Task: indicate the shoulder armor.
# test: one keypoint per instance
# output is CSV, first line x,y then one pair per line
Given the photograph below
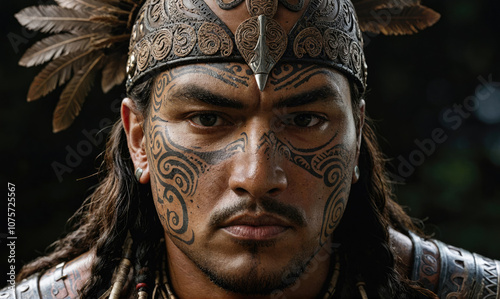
x,y
452,272
63,281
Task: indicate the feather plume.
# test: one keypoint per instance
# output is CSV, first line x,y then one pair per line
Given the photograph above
x,y
365,6
55,46
57,73
82,30
55,19
114,71
74,94
409,20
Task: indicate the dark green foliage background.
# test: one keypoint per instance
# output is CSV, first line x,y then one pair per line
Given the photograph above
x,y
413,81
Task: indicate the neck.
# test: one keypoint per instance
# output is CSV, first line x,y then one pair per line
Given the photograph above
x,y
188,281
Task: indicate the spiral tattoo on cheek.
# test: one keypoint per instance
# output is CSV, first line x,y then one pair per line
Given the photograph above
x,y
329,163
176,171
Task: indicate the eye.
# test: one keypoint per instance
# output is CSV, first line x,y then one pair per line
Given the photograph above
x,y
208,120
304,120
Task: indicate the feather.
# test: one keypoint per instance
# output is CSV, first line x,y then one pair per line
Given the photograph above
x,y
74,94
80,4
365,6
107,20
55,46
55,19
408,21
114,72
91,5
57,73
108,41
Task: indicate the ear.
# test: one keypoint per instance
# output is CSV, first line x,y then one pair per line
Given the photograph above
x,y
360,125
133,125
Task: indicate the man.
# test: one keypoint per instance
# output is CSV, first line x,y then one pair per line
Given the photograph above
x,y
243,166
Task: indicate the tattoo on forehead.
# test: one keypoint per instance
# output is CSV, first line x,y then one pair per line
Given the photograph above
x,y
294,75
230,74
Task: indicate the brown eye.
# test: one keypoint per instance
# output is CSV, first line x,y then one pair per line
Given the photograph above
x,y
305,120
208,120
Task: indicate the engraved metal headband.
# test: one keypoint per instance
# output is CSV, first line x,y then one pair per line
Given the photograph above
x,y
92,36
171,32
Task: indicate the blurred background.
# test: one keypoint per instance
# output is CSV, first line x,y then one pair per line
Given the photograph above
x,y
434,97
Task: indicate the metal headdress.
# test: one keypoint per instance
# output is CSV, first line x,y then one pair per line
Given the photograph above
x,y
98,35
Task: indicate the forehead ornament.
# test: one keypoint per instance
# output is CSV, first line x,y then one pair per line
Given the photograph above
x,y
131,40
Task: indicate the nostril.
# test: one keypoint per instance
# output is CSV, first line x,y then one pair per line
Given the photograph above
x,y
274,191
240,191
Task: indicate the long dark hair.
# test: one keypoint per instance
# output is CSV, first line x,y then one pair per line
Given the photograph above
x,y
120,205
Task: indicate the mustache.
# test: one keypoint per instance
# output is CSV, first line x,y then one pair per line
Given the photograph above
x,y
267,204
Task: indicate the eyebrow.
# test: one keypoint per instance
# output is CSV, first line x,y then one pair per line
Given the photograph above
x,y
322,94
194,94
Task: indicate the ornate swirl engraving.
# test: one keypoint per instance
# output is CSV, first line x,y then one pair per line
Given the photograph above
x,y
184,40
182,11
293,7
262,7
348,16
162,44
276,39
247,35
356,57
156,14
344,49
430,264
143,55
328,10
331,44
308,41
227,5
212,38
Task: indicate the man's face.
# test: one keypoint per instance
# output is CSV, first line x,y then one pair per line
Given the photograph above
x,y
249,185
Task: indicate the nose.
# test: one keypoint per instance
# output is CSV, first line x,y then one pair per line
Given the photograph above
x,y
257,171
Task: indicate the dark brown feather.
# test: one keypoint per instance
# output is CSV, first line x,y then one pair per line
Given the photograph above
x,y
57,73
109,20
366,6
114,71
55,46
55,19
74,94
408,20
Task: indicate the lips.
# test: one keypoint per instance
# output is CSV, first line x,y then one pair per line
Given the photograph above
x,y
249,227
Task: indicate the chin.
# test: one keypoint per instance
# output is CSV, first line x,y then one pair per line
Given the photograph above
x,y
254,279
